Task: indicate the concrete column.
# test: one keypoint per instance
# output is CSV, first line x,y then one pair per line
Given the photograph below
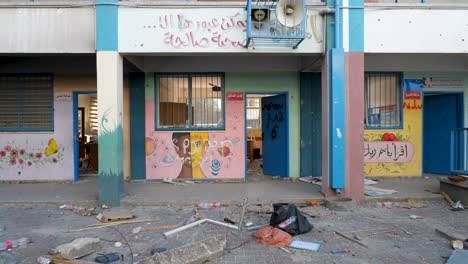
x,y
343,103
110,137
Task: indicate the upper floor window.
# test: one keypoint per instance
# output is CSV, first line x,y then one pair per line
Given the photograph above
x,y
190,101
26,102
382,95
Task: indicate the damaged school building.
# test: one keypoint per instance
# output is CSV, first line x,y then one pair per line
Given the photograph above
x,y
152,90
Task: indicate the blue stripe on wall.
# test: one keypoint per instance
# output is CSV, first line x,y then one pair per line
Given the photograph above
x,y
137,126
337,118
356,26
107,25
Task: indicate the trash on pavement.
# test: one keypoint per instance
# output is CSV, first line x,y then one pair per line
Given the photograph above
x,y
43,260
455,206
299,244
199,222
339,251
415,217
374,191
253,228
227,220
209,206
114,217
273,237
456,244
107,258
284,211
411,203
158,250
21,242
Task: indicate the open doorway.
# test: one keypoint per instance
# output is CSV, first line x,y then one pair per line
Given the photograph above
x,y
85,130
442,112
267,136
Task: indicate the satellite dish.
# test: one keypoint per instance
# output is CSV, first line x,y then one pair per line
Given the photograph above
x,y
289,13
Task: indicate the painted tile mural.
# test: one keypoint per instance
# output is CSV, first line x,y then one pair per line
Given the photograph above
x,y
197,155
397,152
40,156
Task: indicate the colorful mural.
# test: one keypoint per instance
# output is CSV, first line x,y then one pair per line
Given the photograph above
x,y
197,155
397,152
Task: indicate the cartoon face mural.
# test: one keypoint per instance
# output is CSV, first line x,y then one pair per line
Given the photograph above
x,y
199,142
182,147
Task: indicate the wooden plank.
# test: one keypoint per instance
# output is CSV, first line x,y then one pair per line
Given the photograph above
x,y
351,239
94,226
114,217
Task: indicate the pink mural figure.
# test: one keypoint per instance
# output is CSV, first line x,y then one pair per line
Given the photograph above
x,y
182,144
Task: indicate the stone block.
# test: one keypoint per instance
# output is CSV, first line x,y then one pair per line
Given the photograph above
x,y
78,248
194,253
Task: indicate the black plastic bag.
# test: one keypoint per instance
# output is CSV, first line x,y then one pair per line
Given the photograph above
x,y
283,211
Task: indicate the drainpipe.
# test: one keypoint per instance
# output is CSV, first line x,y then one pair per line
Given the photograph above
x,y
337,25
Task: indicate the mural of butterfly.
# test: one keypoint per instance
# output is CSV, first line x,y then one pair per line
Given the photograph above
x,y
52,148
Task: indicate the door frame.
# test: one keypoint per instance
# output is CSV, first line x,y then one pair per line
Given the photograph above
x,y
460,110
76,154
246,177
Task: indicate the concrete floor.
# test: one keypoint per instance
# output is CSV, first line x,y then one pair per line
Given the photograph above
x,y
159,193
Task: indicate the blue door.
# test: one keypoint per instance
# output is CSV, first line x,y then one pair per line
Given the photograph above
x,y
275,135
441,114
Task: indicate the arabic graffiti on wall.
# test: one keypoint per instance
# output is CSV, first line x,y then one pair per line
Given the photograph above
x,y
396,152
388,151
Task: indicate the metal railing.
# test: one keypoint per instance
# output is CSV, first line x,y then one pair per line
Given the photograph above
x,y
458,151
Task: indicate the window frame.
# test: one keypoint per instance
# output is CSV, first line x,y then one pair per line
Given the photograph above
x,y
52,113
189,75
366,111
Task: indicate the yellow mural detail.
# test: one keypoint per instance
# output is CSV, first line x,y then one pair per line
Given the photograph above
x,y
51,148
199,141
411,132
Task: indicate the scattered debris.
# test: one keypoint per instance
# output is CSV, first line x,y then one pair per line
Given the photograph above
x,y
227,220
108,258
78,248
458,256
42,260
248,224
412,203
432,191
197,252
209,206
415,217
364,230
118,244
105,206
21,242
339,251
94,226
114,217
286,250
298,244
350,239
154,228
288,218
452,235
158,250
369,182
312,180
456,206
397,226
253,228
312,202
355,236
458,178
199,222
79,210
273,237
61,260
374,191
456,244
170,181
387,204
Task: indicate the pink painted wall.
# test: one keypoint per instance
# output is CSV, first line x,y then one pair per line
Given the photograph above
x,y
207,154
33,156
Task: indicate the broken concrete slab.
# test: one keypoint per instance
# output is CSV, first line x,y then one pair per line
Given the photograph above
x,y
78,248
194,253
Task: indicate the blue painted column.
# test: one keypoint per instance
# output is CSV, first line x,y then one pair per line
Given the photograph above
x,y
343,92
109,67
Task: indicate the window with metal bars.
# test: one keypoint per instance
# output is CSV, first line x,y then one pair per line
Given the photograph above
x,y
189,101
26,102
254,118
382,95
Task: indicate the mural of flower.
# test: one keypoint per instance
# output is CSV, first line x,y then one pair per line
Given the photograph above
x,y
20,161
54,160
31,155
29,163
389,137
38,155
14,153
2,153
22,151
13,162
7,148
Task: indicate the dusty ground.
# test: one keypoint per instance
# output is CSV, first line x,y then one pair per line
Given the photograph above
x,y
47,225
